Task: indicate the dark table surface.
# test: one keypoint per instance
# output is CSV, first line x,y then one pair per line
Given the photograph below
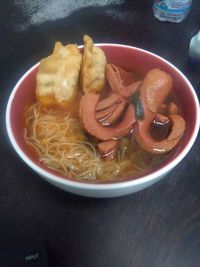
x,y
159,226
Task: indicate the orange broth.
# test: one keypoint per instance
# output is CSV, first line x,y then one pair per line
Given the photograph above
x,y
140,161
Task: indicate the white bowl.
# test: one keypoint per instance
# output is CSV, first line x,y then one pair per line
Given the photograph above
x,y
128,57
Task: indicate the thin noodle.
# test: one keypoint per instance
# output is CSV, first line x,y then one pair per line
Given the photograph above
x,y
62,146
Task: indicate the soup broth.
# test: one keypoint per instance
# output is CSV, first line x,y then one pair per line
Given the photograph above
x,y
61,144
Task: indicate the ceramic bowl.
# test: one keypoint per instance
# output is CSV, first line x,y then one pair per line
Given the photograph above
x,y
129,58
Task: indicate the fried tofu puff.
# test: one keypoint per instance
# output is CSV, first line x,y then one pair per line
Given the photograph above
x,y
57,77
93,67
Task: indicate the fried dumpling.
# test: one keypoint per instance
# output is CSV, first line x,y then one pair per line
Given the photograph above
x,y
57,77
93,67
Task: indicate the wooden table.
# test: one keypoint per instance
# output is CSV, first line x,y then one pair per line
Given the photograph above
x,y
158,227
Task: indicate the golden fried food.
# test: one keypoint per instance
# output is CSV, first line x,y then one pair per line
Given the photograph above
x,y
57,77
93,67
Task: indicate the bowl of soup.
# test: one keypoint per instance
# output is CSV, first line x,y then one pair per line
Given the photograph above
x,y
102,120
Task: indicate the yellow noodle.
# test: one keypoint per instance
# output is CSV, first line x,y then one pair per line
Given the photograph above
x,y
62,146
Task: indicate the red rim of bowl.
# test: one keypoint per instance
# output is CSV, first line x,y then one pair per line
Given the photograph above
x,y
105,186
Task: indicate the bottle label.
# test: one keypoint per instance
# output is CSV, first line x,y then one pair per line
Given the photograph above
x,y
173,6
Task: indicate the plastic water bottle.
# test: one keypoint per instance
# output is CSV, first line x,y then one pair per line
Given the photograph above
x,y
171,10
194,50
